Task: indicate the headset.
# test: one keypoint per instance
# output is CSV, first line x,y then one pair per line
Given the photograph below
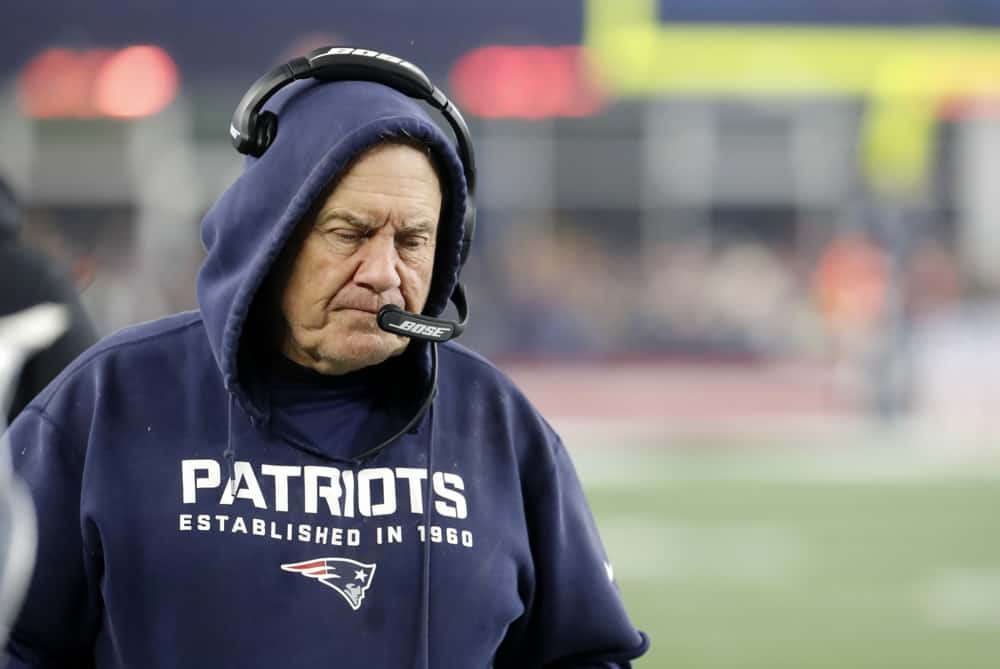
x,y
253,130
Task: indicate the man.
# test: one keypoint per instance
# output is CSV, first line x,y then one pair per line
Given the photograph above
x,y
27,278
276,480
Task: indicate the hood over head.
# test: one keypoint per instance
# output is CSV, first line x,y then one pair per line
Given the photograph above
x,y
322,127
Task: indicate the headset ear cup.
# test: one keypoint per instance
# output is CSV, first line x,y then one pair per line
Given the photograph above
x,y
265,132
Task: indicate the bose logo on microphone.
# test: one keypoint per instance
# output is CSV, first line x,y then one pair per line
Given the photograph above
x,y
421,329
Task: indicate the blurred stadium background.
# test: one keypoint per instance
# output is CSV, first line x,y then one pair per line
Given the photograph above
x,y
741,254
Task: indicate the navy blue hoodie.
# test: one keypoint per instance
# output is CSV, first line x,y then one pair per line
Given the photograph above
x,y
180,526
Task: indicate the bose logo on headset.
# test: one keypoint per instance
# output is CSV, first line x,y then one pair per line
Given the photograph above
x,y
344,50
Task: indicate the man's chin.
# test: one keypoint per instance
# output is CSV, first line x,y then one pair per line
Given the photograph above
x,y
361,351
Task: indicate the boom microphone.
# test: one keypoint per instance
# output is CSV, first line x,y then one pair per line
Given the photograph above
x,y
417,326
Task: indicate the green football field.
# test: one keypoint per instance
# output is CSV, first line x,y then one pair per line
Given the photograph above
x,y
830,558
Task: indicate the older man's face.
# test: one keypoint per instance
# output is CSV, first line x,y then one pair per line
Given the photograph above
x,y
370,244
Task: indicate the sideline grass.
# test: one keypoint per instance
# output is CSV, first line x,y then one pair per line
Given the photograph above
x,y
858,559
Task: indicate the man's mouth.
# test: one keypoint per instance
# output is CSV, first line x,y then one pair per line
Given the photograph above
x,y
364,309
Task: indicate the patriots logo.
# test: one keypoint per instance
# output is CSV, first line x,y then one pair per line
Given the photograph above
x,y
348,577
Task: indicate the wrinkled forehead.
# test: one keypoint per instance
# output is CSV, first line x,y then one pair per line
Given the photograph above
x,y
397,177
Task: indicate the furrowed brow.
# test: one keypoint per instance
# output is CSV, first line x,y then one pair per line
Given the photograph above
x,y
419,226
348,217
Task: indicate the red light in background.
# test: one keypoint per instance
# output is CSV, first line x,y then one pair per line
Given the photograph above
x,y
57,83
133,82
526,82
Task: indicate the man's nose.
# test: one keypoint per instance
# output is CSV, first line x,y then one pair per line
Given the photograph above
x,y
377,270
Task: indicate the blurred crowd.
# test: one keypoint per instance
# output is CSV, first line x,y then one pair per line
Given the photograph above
x,y
572,295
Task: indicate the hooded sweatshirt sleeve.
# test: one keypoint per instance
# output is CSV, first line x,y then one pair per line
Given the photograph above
x,y
58,622
575,616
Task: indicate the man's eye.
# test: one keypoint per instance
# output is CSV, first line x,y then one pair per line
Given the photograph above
x,y
347,234
413,243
